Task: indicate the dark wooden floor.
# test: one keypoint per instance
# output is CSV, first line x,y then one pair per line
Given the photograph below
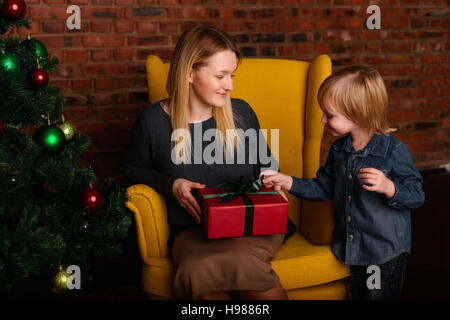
x,y
428,273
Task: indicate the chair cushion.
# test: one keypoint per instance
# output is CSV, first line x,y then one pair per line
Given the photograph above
x,y
300,264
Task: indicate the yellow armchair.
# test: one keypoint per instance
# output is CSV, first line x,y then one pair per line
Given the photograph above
x,y
283,94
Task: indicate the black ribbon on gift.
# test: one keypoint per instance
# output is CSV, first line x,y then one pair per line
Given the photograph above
x,y
242,187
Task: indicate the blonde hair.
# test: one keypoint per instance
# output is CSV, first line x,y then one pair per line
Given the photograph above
x,y
194,47
359,93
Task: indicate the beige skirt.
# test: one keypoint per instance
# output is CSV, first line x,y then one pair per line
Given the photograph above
x,y
204,266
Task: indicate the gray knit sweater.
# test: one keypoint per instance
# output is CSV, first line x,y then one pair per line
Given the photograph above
x,y
150,157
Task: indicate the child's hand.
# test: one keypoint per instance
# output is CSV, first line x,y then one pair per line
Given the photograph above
x,y
276,180
378,181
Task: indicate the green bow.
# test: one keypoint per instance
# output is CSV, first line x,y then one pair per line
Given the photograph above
x,y
240,187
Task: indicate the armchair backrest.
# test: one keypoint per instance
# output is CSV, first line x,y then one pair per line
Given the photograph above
x,y
283,93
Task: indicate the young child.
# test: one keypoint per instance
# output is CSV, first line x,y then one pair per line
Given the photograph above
x,y
371,178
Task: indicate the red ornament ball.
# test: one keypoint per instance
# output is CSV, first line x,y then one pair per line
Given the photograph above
x,y
39,77
14,9
92,199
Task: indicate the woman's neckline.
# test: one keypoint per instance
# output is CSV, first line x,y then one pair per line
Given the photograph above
x,y
168,115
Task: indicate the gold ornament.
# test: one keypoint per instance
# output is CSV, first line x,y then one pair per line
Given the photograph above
x,y
67,128
59,280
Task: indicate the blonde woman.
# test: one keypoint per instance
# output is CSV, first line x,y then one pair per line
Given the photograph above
x,y
167,153
371,178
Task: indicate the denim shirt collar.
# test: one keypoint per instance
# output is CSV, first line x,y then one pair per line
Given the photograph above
x,y
377,146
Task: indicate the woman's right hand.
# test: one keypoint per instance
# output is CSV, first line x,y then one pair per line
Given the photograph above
x,y
181,189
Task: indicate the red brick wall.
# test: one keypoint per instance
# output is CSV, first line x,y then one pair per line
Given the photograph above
x,y
102,66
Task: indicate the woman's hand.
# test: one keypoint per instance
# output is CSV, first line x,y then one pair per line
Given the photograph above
x,y
181,189
378,181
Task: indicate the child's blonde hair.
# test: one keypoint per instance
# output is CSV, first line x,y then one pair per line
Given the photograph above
x,y
359,93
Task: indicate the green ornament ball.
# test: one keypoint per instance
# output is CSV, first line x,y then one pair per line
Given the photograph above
x,y
40,49
50,138
9,66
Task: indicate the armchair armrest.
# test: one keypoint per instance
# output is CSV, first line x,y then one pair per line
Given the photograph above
x,y
317,219
152,230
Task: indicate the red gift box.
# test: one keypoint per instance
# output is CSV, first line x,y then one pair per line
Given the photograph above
x,y
259,214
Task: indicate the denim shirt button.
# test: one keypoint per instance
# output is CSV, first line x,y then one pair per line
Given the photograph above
x,y
351,237
394,203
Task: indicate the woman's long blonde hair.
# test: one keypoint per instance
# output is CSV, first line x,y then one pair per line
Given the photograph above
x,y
193,48
359,93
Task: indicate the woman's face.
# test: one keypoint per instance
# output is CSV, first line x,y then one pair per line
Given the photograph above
x,y
211,83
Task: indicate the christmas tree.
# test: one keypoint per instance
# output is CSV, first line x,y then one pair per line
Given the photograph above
x,y
53,212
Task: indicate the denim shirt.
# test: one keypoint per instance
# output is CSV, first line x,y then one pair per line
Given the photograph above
x,y
369,227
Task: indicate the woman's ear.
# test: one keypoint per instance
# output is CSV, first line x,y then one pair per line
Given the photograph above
x,y
191,76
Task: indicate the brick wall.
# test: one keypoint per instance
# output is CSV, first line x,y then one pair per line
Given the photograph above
x,y
102,66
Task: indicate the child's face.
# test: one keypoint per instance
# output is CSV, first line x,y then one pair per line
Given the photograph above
x,y
337,122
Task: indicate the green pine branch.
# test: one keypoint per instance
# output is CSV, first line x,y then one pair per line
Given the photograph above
x,y
5,24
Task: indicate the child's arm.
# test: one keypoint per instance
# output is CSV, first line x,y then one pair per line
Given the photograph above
x,y
316,189
404,191
407,180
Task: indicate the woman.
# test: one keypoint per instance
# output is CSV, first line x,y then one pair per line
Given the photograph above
x,y
199,81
